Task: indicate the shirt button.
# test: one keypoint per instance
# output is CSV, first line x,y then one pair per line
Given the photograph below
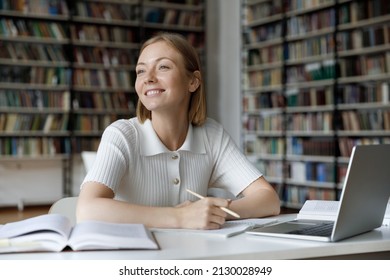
x,y
176,181
175,157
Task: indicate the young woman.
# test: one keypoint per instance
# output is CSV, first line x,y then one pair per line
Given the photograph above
x,y
145,164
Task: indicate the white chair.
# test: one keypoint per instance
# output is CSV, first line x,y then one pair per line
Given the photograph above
x,y
65,206
88,158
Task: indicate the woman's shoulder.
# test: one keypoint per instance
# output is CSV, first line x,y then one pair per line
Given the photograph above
x,y
212,126
124,126
213,130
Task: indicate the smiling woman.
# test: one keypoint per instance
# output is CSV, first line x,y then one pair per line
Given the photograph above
x,y
165,86
166,90
189,68
144,165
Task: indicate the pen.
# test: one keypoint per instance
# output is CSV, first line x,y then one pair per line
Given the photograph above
x,y
234,214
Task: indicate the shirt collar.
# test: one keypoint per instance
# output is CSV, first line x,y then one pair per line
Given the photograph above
x,y
151,145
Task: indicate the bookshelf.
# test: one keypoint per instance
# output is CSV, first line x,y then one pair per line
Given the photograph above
x,y
104,40
262,95
67,70
186,17
331,60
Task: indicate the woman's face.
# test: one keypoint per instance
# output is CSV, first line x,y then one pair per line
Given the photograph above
x,y
163,84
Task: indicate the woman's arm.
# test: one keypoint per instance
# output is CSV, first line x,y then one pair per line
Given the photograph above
x,y
259,200
96,203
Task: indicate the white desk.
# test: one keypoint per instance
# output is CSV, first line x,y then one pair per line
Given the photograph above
x,y
371,245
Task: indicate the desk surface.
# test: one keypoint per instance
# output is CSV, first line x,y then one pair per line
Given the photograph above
x,y
244,246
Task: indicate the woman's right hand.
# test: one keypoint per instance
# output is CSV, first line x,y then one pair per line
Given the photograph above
x,y
202,214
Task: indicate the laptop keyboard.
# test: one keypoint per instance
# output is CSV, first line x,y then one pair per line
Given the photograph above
x,y
324,229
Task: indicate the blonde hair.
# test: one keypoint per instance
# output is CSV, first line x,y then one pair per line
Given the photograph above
x,y
197,108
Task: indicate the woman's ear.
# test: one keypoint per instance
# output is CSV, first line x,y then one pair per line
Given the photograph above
x,y
195,81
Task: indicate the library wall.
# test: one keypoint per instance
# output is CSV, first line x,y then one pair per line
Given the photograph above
x,y
316,82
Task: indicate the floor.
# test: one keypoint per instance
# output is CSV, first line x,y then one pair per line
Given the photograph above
x,y
12,214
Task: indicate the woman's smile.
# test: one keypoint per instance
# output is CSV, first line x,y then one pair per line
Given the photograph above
x,y
153,92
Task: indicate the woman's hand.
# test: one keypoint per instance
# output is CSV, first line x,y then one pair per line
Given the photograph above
x,y
202,214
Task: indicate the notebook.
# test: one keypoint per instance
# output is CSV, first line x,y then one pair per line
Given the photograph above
x,y
363,200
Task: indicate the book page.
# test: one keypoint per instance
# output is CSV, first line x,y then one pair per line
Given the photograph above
x,y
321,206
49,222
319,209
96,235
41,241
42,233
327,210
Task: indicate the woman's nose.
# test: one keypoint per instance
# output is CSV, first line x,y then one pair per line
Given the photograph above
x,y
150,77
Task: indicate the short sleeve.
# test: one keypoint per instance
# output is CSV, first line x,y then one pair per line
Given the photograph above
x,y
232,170
111,162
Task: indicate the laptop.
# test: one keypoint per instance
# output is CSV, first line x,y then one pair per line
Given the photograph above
x,y
363,201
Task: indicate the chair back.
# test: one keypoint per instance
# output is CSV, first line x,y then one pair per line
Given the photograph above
x,y
65,206
88,158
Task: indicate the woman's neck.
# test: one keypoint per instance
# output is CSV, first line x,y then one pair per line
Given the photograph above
x,y
172,132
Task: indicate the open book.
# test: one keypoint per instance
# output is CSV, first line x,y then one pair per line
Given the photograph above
x,y
229,228
327,210
53,232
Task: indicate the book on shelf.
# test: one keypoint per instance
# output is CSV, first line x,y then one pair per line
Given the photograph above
x,y
367,93
262,9
315,147
374,120
13,122
33,146
33,28
296,195
328,209
297,171
311,22
346,144
318,46
321,121
228,229
316,71
3,121
35,98
10,122
93,33
361,10
54,7
311,171
54,232
107,11
364,65
172,16
102,78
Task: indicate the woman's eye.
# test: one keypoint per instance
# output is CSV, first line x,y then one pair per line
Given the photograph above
x,y
139,71
163,67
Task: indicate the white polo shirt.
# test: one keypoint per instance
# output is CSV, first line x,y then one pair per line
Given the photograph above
x,y
136,165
